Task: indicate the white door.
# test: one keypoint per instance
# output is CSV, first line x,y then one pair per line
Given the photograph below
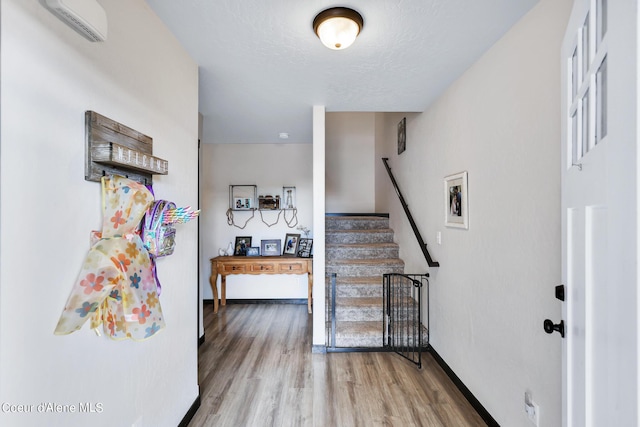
x,y
599,215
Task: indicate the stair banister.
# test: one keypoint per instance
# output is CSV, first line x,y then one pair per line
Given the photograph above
x,y
414,227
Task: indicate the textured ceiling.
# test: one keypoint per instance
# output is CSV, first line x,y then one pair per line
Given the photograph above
x,y
262,68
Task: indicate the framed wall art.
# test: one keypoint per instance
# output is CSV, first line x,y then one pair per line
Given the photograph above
x,y
402,135
456,203
242,197
289,197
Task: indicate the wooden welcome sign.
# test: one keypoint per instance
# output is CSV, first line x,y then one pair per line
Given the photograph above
x,y
115,149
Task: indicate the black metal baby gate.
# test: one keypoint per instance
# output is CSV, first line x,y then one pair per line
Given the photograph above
x,y
402,329
404,332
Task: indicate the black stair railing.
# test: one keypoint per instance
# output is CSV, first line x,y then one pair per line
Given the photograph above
x,y
414,227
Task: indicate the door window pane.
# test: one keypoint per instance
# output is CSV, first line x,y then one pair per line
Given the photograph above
x,y
585,47
574,73
585,124
601,19
601,101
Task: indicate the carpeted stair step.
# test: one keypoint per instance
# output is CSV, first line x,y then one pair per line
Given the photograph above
x,y
384,235
369,308
359,334
355,222
349,286
409,340
360,267
368,335
362,251
359,309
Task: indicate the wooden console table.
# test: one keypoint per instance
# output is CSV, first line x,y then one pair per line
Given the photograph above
x,y
225,265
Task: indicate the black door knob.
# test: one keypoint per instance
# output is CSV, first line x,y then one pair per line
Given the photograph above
x,y
550,327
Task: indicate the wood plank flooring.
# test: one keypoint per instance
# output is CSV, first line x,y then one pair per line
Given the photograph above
x,y
256,369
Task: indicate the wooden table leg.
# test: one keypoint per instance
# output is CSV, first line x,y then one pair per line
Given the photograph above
x,y
310,293
223,289
212,280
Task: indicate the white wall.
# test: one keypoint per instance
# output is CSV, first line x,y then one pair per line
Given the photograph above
x,y
350,150
142,78
319,209
270,167
495,286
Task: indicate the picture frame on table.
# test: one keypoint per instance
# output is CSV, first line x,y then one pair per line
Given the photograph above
x,y
270,247
253,251
242,243
456,202
304,247
291,242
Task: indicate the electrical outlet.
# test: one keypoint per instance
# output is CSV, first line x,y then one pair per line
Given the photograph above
x,y
532,409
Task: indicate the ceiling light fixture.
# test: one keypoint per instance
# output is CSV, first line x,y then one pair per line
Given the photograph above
x,y
338,27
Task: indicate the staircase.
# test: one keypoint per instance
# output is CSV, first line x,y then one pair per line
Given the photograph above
x,y
359,249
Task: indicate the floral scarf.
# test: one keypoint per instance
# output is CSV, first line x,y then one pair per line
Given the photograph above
x,y
116,286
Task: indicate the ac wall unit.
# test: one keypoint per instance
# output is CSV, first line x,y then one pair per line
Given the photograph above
x,y
87,17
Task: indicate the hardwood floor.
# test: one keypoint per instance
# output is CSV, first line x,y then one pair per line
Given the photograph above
x,y
256,369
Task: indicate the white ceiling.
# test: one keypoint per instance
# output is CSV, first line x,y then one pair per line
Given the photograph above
x,y
262,68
